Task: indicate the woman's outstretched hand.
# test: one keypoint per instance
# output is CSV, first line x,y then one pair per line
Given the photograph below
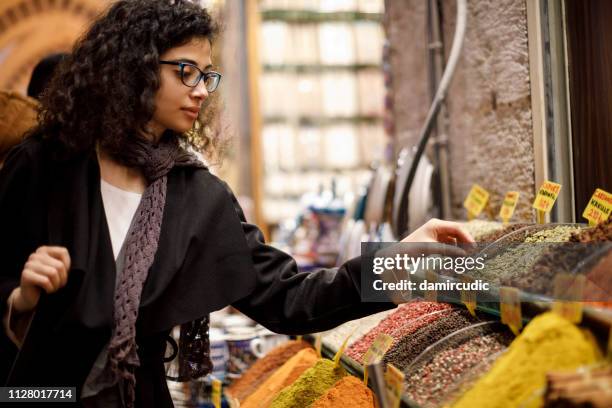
x,y
436,230
46,269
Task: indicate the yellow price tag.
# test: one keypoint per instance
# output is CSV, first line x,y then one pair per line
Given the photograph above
x,y
216,393
546,197
431,295
599,208
394,383
476,200
508,205
298,338
377,350
318,345
569,290
510,306
468,297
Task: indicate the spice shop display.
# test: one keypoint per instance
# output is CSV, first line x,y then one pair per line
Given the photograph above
x,y
549,342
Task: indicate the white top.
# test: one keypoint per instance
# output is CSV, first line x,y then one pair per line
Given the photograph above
x,y
119,207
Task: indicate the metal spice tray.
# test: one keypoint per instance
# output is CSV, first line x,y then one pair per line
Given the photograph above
x,y
498,338
599,321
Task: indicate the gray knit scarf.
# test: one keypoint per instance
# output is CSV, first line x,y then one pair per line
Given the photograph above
x,y
140,247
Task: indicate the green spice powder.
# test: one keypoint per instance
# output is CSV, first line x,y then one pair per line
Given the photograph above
x,y
309,386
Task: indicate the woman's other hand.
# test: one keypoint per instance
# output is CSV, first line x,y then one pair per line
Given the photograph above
x,y
46,269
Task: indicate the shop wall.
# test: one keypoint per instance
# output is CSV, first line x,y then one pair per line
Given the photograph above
x,y
31,30
489,108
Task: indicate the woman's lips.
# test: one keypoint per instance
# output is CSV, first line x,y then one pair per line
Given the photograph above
x,y
191,113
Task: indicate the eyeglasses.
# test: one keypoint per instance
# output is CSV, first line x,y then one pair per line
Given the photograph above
x,y
191,75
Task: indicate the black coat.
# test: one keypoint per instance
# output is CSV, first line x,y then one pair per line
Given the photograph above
x,y
208,257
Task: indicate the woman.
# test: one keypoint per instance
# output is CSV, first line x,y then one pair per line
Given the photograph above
x,y
127,235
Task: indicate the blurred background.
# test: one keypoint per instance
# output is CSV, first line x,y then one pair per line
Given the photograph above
x,y
327,100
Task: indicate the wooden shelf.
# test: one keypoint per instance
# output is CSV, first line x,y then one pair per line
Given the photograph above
x,y
311,16
318,68
323,120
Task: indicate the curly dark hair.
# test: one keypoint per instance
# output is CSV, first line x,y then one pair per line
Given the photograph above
x,y
104,91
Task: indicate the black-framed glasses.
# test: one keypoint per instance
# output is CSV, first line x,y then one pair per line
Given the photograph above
x,y
191,75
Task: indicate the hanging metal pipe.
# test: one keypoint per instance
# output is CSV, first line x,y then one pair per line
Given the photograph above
x,y
439,98
436,52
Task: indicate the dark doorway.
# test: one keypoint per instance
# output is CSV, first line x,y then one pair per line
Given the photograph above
x,y
589,42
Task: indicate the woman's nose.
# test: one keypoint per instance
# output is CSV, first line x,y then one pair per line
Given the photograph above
x,y
199,91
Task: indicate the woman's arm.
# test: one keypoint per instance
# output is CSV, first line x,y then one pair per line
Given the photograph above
x,y
292,302
288,301
24,277
15,181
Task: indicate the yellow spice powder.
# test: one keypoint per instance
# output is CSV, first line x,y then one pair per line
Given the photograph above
x,y
549,342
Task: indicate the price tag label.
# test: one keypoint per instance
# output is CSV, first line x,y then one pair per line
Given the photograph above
x,y
569,290
431,295
468,297
394,383
317,345
599,208
216,393
508,205
476,200
377,350
546,197
510,305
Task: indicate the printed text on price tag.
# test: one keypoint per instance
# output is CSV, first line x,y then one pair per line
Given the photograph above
x,y
599,208
377,350
476,200
508,205
547,195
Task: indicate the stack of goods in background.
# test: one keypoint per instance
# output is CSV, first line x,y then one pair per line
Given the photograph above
x,y
313,238
326,124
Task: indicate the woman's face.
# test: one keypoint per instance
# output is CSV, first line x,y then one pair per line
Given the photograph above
x,y
177,105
